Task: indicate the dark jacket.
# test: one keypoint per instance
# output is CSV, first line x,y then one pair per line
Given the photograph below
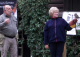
x,y
55,30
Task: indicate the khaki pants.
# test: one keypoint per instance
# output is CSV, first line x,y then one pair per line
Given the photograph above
x,y
9,44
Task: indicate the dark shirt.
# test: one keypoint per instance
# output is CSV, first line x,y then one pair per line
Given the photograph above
x,y
55,30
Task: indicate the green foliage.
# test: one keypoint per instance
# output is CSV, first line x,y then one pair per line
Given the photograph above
x,y
73,46
34,15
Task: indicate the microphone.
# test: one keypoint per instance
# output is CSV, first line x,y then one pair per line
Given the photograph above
x,y
7,20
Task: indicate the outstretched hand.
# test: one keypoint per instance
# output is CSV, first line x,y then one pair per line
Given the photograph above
x,y
73,23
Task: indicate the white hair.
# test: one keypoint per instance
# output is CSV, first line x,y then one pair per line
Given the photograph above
x,y
4,7
52,10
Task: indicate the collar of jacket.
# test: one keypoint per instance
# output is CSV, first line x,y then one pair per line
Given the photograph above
x,y
56,18
7,15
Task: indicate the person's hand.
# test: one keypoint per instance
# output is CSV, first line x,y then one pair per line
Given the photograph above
x,y
47,46
7,21
73,23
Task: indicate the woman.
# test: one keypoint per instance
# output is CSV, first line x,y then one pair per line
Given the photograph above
x,y
55,33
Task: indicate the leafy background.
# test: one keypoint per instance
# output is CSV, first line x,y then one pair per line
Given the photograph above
x,y
73,46
34,14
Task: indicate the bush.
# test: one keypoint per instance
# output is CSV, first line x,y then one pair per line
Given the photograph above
x,y
34,15
73,46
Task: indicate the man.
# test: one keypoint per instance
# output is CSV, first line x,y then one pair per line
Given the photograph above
x,y
8,28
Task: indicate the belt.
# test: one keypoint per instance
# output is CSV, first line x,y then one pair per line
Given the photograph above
x,y
10,36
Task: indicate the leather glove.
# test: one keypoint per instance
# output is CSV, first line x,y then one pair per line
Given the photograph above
x,y
73,23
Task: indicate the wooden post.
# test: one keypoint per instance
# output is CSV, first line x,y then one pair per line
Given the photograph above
x,y
64,52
